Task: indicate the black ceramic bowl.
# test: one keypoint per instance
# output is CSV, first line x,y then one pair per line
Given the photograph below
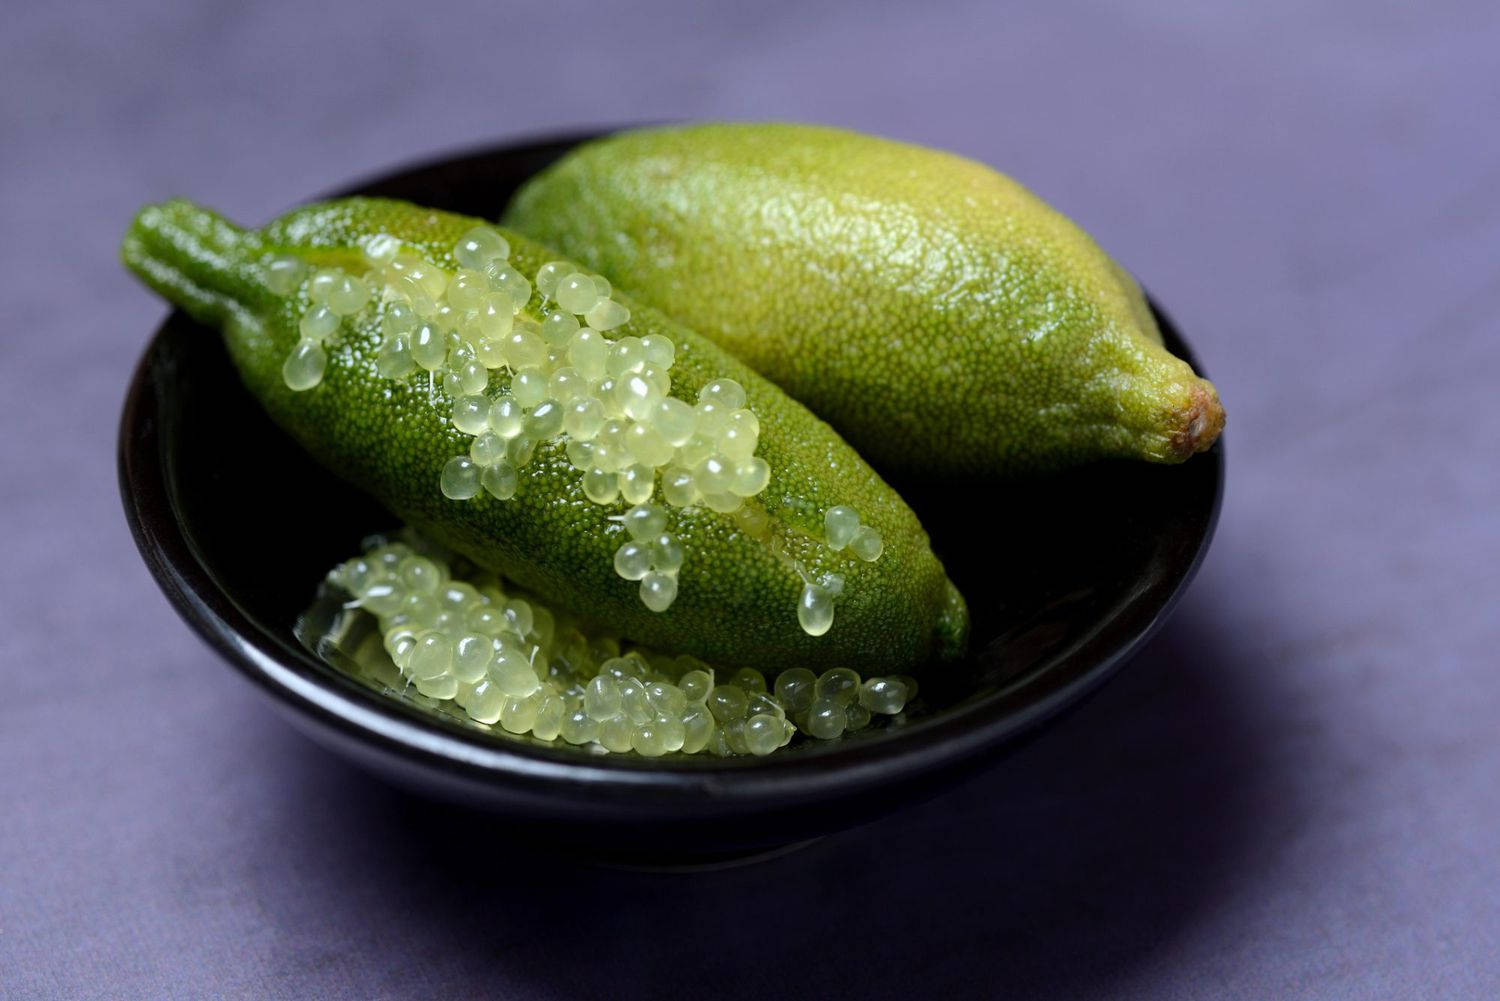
x,y
1091,563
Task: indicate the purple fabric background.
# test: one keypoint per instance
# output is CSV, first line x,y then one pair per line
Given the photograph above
x,y
1295,791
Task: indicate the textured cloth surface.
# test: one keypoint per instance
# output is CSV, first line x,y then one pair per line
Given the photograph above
x,y
1293,793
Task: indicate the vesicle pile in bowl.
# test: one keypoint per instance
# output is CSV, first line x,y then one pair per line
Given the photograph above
x,y
419,624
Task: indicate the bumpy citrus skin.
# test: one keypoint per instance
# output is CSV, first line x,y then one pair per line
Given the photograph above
x,y
737,601
939,315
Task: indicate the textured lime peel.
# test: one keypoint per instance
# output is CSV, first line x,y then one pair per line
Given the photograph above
x,y
510,661
939,315
523,413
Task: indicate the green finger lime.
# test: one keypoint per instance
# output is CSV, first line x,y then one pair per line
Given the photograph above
x,y
517,410
939,315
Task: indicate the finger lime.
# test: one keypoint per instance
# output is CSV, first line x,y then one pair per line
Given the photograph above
x,y
939,315
519,411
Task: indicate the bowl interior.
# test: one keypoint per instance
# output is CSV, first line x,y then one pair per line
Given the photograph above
x,y
1081,569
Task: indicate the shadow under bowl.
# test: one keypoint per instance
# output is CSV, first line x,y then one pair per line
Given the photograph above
x,y
1082,569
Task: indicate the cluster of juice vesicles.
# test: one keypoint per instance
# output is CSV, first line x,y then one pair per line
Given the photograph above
x,y
467,638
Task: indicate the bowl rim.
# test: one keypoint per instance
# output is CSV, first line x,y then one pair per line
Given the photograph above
x,y
302,683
